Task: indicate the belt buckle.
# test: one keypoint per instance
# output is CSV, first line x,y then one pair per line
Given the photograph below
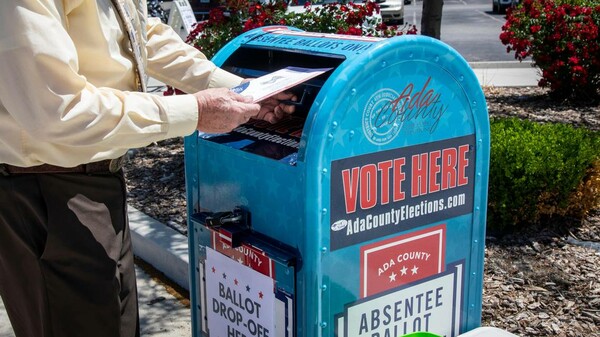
x,y
116,164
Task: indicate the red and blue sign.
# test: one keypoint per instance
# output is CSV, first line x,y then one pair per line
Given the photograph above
x,y
387,192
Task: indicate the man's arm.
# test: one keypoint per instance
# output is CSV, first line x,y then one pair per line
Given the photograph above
x,y
63,118
178,64
174,62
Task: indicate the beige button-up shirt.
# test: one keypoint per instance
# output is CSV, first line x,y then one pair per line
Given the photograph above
x,y
67,82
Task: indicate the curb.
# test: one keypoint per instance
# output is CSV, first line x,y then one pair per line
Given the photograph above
x,y
160,246
506,74
500,64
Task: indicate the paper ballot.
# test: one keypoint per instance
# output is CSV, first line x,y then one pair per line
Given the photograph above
x,y
276,82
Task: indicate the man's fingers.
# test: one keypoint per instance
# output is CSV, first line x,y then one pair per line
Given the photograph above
x,y
286,95
221,110
271,118
250,109
284,108
246,105
241,98
245,108
272,110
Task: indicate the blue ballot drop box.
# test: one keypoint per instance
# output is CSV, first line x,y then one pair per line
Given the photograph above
x,y
363,214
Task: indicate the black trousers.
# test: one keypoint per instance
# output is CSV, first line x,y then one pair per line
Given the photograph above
x,y
66,265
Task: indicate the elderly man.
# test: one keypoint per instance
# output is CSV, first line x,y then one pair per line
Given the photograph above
x,y
72,102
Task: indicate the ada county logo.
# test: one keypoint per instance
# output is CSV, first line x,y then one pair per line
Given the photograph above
x,y
386,112
378,127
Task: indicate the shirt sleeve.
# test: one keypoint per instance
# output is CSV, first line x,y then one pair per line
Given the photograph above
x,y
65,119
174,62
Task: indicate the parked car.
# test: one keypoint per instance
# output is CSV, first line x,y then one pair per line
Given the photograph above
x,y
500,6
392,11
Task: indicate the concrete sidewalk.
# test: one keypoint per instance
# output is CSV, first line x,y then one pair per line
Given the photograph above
x,y
506,74
161,314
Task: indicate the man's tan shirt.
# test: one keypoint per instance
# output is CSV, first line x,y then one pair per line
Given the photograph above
x,y
67,82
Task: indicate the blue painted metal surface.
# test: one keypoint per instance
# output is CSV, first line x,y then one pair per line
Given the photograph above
x,y
374,223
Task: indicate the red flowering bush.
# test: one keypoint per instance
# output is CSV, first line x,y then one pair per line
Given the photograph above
x,y
562,38
238,16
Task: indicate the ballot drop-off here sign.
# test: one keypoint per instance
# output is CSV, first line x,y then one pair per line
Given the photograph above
x,y
240,300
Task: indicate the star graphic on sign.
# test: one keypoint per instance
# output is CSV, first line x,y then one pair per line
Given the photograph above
x,y
414,270
393,277
260,294
248,288
214,270
224,276
235,281
403,270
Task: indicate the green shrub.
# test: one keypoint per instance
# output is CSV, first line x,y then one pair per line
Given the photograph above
x,y
540,169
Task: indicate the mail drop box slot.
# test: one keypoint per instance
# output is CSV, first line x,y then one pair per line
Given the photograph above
x,y
362,214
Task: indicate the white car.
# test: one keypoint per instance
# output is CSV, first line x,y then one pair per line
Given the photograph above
x,y
392,11
500,6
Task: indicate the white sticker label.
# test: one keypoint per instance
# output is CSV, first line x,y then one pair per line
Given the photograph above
x,y
240,300
430,305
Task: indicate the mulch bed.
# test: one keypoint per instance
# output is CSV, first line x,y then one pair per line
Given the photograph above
x,y
539,282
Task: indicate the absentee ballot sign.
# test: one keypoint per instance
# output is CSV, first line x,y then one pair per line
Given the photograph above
x,y
432,304
240,300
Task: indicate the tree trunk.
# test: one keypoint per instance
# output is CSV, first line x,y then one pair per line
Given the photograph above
x,y
431,19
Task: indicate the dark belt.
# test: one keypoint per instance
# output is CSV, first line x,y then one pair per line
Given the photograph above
x,y
104,166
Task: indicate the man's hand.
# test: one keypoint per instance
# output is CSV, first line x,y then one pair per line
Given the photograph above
x,y
221,110
272,110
